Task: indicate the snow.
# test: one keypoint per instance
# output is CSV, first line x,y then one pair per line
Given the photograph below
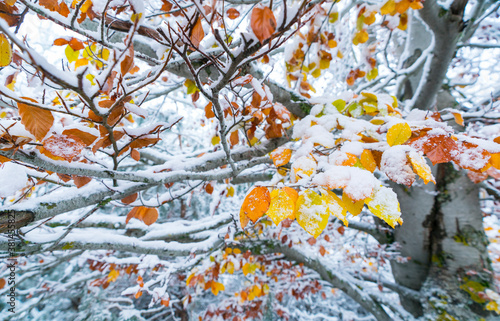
x,y
395,165
12,178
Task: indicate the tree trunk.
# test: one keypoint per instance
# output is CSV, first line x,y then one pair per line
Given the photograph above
x,y
444,236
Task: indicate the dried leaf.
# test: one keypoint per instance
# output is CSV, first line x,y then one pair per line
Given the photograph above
x,y
85,137
135,154
62,147
36,120
197,34
368,161
232,13
144,214
129,199
263,23
81,181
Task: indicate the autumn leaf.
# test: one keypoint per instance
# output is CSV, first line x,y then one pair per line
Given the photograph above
x,y
71,54
334,205
420,167
135,154
129,199
263,23
62,147
354,207
216,287
81,181
281,156
144,214
495,160
113,275
5,51
197,33
84,136
384,204
232,13
234,138
302,167
282,205
458,118
367,160
477,177
2,283
388,7
398,134
36,120
437,148
256,203
311,213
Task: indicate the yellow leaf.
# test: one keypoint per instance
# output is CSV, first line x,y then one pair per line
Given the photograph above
x,y
372,74
230,267
398,134
113,275
354,207
384,204
458,118
495,160
302,167
388,7
71,54
216,287
215,140
230,191
335,206
311,213
282,206
368,161
420,167
5,51
360,37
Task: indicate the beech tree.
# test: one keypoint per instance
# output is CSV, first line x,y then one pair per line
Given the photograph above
x,y
208,160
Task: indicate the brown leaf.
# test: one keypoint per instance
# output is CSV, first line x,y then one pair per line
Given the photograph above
x,y
436,148
166,6
64,177
135,154
263,23
322,250
81,180
234,138
232,13
76,44
126,64
144,214
143,142
36,120
209,113
62,147
85,137
129,199
197,34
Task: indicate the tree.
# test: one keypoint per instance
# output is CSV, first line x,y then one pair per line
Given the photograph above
x,y
216,149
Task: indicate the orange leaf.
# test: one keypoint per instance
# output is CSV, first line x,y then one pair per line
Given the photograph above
x,y
76,44
477,177
62,147
85,137
197,34
126,64
495,160
209,113
368,161
144,214
232,13
436,148
281,156
135,155
81,180
256,203
36,120
129,199
143,142
2,283
234,138
263,23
